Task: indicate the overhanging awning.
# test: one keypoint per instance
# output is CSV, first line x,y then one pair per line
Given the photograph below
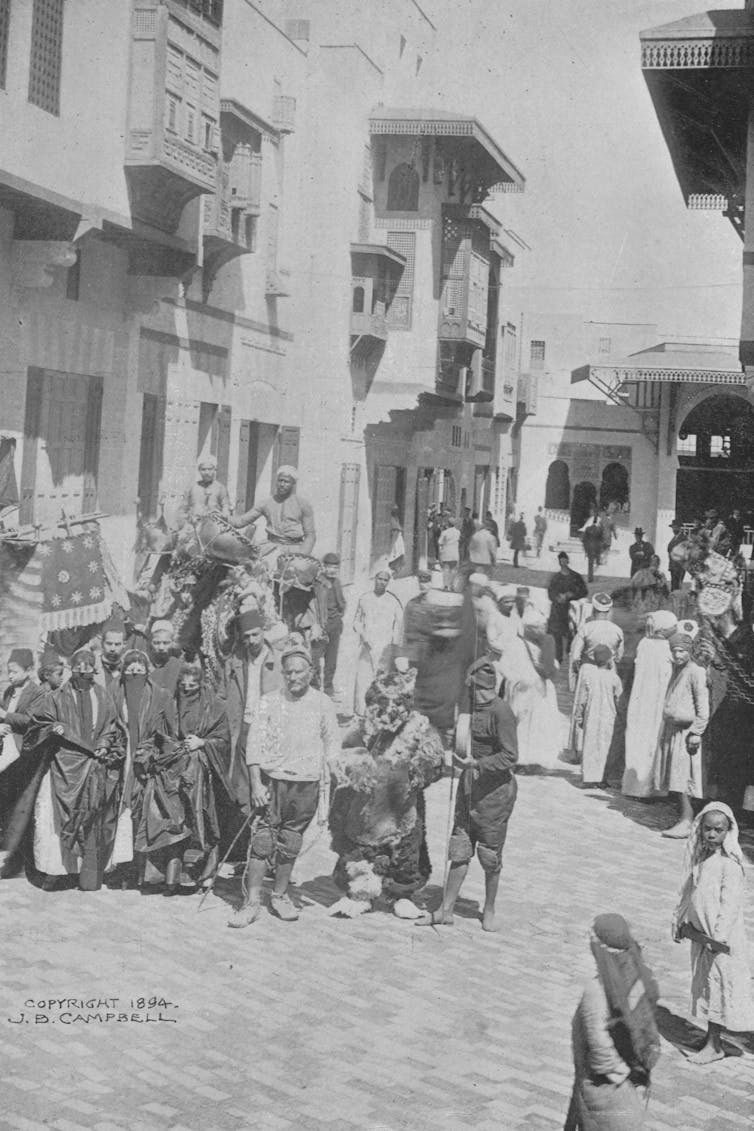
x,y
700,74
465,132
659,366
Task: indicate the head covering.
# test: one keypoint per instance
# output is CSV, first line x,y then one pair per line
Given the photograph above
x,y
82,656
482,676
424,575
563,556
135,655
638,530
681,640
289,470
662,624
676,522
207,461
113,625
331,559
248,619
296,649
689,627
612,930
602,602
711,513
602,655
505,593
161,626
48,660
696,853
24,657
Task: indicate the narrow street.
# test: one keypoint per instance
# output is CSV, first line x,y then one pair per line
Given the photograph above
x,y
372,1023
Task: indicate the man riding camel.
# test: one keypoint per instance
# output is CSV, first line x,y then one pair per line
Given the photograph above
x,y
290,519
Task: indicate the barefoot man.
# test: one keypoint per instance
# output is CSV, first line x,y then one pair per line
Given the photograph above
x,y
487,752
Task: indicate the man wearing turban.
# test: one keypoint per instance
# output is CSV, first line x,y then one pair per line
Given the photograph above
x,y
289,518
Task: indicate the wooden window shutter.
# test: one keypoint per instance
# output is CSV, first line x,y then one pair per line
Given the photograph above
x,y
223,442
384,500
348,517
400,312
46,54
35,384
151,456
4,28
91,445
286,449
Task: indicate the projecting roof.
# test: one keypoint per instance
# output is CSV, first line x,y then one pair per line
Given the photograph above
x,y
666,362
411,122
700,74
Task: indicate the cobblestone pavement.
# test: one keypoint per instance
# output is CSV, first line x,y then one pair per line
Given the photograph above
x,y
372,1023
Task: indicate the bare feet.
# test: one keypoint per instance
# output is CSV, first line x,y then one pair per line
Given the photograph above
x,y
679,831
489,923
707,1055
437,918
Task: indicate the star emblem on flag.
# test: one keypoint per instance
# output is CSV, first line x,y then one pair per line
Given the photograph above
x,y
77,598
55,600
88,542
67,546
45,550
92,567
95,593
64,576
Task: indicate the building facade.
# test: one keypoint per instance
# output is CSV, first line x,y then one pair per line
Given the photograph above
x,y
215,239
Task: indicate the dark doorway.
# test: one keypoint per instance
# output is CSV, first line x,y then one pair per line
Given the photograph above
x,y
558,487
614,487
584,498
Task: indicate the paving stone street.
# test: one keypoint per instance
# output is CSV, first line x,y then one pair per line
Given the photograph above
x,y
372,1023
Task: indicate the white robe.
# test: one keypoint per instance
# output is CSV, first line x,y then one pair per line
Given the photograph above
x,y
379,622
652,672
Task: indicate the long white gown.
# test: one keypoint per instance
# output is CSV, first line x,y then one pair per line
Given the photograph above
x,y
653,668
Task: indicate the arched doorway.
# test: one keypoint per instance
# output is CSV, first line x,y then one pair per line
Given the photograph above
x,y
584,498
716,458
614,488
558,486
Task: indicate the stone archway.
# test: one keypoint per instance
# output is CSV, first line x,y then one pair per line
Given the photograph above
x,y
558,486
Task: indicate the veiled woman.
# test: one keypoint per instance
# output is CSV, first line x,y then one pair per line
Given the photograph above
x,y
178,831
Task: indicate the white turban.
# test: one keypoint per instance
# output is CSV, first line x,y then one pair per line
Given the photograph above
x,y
288,470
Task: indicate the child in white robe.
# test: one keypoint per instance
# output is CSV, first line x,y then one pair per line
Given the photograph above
x,y
710,912
595,711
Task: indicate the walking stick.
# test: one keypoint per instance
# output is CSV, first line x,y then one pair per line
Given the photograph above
x,y
211,882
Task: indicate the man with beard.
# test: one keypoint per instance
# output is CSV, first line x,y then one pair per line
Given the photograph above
x,y
113,647
147,715
178,830
76,808
166,665
251,670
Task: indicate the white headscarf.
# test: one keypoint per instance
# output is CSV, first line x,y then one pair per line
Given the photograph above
x,y
696,852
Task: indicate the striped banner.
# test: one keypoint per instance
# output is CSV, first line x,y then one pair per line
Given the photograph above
x,y
21,596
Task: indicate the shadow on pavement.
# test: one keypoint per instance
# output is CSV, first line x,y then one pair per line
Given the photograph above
x,y
686,1036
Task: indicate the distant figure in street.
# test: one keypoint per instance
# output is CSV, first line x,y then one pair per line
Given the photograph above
x,y
640,552
492,526
467,529
652,672
614,1034
397,554
710,913
378,623
414,621
207,494
735,527
676,555
518,538
565,586
289,518
449,552
540,529
609,533
715,529
591,537
678,766
595,709
331,605
482,548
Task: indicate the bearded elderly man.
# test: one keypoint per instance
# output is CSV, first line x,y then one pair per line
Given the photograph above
x,y
289,518
292,737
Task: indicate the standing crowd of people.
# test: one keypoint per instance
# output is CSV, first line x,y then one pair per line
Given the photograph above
x,y
134,762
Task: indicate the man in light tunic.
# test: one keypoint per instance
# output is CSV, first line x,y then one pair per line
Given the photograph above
x,y
379,624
